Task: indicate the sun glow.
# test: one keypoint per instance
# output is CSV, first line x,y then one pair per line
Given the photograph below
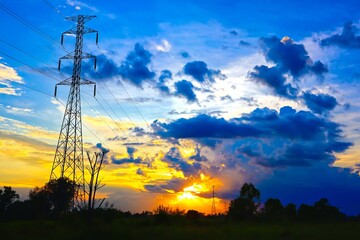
x,y
190,193
186,196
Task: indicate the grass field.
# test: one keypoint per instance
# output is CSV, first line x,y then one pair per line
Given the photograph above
x,y
141,229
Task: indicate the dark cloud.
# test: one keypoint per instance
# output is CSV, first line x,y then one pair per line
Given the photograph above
x,y
203,126
139,132
165,75
161,85
211,97
347,106
185,54
174,112
268,138
185,89
135,67
106,68
117,138
201,73
175,184
129,159
217,113
319,103
290,57
133,144
102,148
296,138
226,98
346,39
250,101
154,188
273,77
142,99
197,156
140,172
176,161
234,33
244,43
209,142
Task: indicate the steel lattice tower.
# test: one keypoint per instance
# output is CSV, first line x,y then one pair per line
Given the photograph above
x,y
68,160
213,209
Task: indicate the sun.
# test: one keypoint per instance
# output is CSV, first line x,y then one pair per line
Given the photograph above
x,y
190,193
185,196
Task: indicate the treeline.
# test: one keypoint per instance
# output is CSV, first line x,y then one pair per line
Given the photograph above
x,y
55,200
247,206
50,201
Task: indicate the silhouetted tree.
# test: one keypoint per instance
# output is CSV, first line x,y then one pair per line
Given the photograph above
x,y
246,205
306,212
39,202
193,215
325,212
20,210
273,209
7,197
56,197
95,165
290,211
320,211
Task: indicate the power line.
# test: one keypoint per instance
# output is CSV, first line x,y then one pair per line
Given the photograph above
x,y
47,94
29,25
119,105
29,55
131,99
112,111
87,127
25,53
33,89
127,93
44,73
35,69
54,8
102,119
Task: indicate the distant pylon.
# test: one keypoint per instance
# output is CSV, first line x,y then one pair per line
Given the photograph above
x,y
68,160
213,209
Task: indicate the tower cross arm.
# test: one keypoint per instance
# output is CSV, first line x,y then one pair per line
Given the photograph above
x,y
68,56
65,82
86,82
74,31
85,18
87,55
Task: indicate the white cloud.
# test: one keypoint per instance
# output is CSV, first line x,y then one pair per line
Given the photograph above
x,y
78,4
18,110
164,46
7,76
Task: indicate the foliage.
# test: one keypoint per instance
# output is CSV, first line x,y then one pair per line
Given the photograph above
x,y
193,215
273,209
7,197
246,205
320,211
55,198
167,215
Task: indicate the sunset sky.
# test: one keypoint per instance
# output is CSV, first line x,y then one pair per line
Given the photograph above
x,y
190,94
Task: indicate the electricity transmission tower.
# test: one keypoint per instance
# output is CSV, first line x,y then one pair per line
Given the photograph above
x,y
68,160
213,209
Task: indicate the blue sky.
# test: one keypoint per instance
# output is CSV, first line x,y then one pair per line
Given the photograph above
x,y
191,94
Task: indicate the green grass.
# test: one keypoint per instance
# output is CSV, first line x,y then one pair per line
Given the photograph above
x,y
141,229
